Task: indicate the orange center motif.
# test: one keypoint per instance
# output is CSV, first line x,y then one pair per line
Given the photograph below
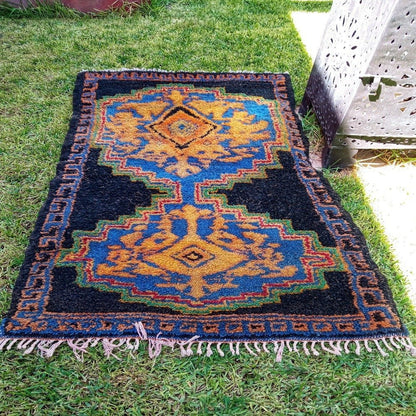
x,y
182,126
221,130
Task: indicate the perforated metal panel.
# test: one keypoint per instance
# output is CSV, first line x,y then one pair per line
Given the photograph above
x,y
363,83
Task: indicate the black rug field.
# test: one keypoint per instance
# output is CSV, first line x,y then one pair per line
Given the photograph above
x,y
185,213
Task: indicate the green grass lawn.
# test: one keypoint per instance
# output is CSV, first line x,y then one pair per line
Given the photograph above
x,y
41,55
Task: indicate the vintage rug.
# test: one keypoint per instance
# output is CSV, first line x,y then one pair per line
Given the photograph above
x,y
185,213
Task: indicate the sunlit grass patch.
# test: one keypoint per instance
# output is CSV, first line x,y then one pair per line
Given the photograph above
x,y
41,56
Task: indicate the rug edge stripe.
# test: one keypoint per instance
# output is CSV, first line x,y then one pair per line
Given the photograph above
x,y
46,347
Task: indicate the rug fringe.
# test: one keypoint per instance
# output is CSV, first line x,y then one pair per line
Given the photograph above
x,y
46,347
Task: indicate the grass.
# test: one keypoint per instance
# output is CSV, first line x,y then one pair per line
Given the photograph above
x,y
311,6
55,9
41,54
37,9
313,132
397,157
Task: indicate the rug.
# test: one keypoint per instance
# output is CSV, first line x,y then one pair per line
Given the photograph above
x,y
185,213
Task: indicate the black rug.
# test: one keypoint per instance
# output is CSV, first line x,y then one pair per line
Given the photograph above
x,y
185,212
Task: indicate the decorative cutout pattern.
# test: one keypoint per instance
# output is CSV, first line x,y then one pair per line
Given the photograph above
x,y
363,84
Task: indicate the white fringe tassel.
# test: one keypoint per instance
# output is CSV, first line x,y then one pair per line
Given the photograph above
x,y
46,348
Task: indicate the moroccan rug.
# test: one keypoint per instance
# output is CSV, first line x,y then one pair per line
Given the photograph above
x,y
185,213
